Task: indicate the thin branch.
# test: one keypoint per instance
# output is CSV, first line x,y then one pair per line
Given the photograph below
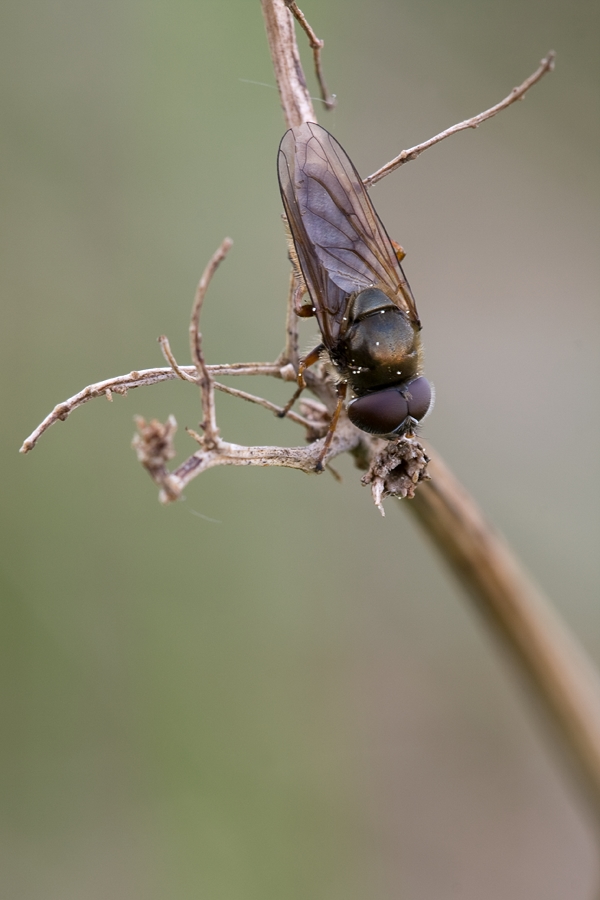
x,y
209,421
316,45
346,440
312,426
168,355
518,93
272,369
153,445
122,384
234,392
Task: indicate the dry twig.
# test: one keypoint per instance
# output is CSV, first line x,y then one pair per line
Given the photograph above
x,y
316,45
209,422
122,384
518,93
165,346
293,93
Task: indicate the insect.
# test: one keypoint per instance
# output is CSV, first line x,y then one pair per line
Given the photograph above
x,y
359,295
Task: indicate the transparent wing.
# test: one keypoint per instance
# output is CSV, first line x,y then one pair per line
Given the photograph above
x,y
342,245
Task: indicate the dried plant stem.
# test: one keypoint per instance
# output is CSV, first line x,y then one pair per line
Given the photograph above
x,y
165,346
209,422
316,45
122,384
230,454
554,663
266,404
293,92
233,392
518,93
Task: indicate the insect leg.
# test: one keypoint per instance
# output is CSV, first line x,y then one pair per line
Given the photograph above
x,y
309,360
341,392
302,310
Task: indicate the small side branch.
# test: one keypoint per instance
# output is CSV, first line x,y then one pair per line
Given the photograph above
x,y
312,426
209,421
316,45
518,93
154,447
122,384
165,346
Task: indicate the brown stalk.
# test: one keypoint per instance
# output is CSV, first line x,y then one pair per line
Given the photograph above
x,y
555,665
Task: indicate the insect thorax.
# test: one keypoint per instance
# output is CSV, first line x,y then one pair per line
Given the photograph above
x,y
378,344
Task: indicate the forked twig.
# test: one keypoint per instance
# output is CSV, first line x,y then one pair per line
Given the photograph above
x,y
234,392
122,384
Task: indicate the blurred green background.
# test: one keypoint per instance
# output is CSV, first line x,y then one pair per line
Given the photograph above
x,y
293,701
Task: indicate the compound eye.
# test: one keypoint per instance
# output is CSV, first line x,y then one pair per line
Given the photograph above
x,y
385,412
420,397
381,412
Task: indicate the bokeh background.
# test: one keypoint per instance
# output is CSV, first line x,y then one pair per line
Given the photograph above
x,y
268,690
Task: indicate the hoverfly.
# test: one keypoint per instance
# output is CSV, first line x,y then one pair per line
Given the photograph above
x,y
362,302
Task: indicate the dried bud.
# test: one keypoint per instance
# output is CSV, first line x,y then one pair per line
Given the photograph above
x,y
397,470
154,447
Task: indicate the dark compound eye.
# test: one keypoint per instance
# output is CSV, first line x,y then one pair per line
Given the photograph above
x,y
385,412
420,398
